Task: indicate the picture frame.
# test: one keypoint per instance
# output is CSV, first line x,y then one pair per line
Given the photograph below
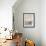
x,y
28,20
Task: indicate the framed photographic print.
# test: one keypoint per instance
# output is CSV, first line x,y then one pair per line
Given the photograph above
x,y
29,20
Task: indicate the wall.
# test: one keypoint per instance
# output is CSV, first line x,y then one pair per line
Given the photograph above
x,y
43,22
28,6
6,13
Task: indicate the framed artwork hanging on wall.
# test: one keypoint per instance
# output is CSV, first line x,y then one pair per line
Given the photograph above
x,y
29,20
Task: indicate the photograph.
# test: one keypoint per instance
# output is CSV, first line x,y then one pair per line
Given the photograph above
x,y
29,20
22,22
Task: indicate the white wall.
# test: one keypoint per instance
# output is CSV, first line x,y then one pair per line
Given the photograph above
x,y
6,13
43,22
29,6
